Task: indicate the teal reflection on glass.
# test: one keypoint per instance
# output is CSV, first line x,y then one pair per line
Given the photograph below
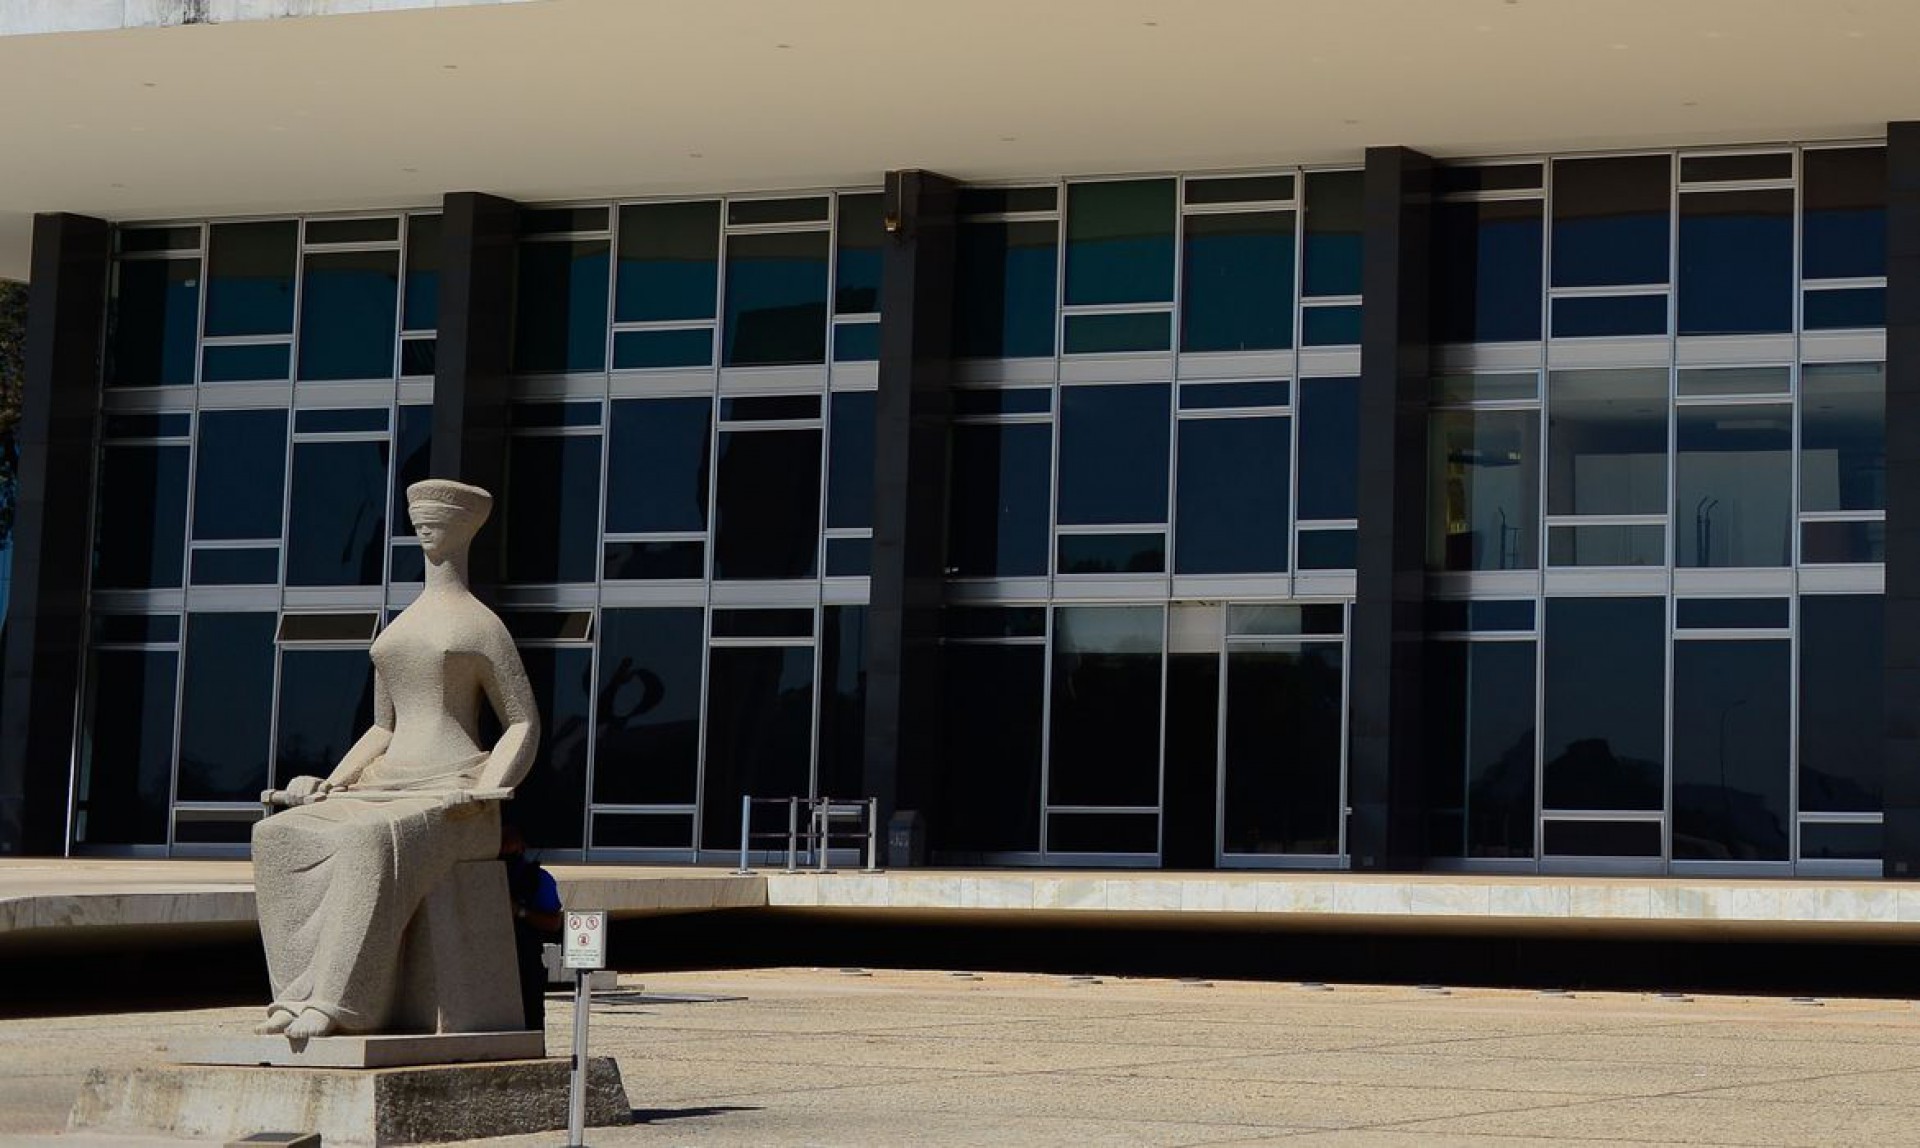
x,y
653,350
1330,326
1117,334
1736,262
1843,222
561,322
1237,284
1113,454
856,342
669,262
1120,242
856,274
247,363
337,533
1335,227
240,474
250,278
1329,549
151,324
347,314
1006,280
1232,516
657,465
776,310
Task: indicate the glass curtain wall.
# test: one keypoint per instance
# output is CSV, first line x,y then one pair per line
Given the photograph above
x,y
1656,512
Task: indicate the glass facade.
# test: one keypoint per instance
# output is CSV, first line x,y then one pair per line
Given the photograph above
x,y
1655,514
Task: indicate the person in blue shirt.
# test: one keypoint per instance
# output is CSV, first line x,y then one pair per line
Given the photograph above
x,y
536,920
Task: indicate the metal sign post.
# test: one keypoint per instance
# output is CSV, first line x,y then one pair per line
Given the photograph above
x,y
584,949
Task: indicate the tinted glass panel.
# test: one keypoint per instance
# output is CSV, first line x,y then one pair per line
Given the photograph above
x,y
1025,401
1233,496
1602,838
409,565
653,350
649,560
126,756
327,627
857,235
240,474
1849,309
1105,728
990,786
136,628
1842,703
1716,168
1329,549
1843,200
643,831
1120,242
1732,709
1237,286
1843,437
748,212
1113,454
419,357
1486,388
1486,271
1245,189
548,804
142,517
1730,613
1330,326
553,508
1734,482
1006,280
763,623
341,421
995,622
1830,542
146,426
246,363
1736,262
1703,381
1616,315
669,262
1113,554
843,700
326,703
856,342
1334,228
849,557
1229,396
1611,221
555,415
421,306
1494,177
776,299
1329,447
1607,545
767,504
1484,490
1480,698
560,220
759,733
562,307
185,237
995,200
770,408
250,278
1841,842
413,451
338,536
1605,697
649,713
998,520
227,709
1283,751
249,567
850,461
1103,832
1607,442
150,326
1191,751
347,314
657,465
1117,334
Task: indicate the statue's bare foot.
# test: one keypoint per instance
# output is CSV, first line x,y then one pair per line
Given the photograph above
x,y
277,1021
311,1022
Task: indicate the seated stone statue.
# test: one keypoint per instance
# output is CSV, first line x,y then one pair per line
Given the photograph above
x,y
340,875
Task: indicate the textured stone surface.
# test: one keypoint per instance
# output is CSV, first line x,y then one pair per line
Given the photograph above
x,y
348,1107
391,1051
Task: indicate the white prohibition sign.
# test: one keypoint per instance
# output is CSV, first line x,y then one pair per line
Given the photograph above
x,y
586,941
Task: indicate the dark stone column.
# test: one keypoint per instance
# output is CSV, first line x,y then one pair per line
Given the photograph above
x,y
1902,834
52,539
474,356
904,688
1384,830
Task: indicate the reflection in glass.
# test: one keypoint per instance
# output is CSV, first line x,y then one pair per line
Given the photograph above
x,y
326,703
1329,448
1237,283
1335,226
250,278
1481,736
1486,259
649,709
126,756
240,475
552,527
1103,334
1611,222
759,733
1843,201
1732,709
1842,702
1330,327
1607,442
657,455
1482,387
1605,701
1105,727
1103,832
420,305
856,274
141,510
776,299
1704,381
1842,542
766,507
1004,289
253,566
412,454
1144,553
850,461
338,532
561,320
1601,839
227,707
1842,842
669,262
1484,489
998,523
1588,317
1736,262
1120,242
151,322
644,560
843,700
1734,485
990,782
347,314
1113,454
1232,481
1283,747
1843,436
547,805
246,363
1608,544
652,350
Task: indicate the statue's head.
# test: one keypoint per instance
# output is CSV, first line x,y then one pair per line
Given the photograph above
x,y
446,515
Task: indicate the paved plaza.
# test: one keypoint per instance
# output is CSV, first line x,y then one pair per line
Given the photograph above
x,y
826,1057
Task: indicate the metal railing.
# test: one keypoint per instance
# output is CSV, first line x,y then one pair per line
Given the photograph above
x,y
818,835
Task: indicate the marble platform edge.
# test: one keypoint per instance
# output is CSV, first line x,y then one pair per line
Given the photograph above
x,y
399,1050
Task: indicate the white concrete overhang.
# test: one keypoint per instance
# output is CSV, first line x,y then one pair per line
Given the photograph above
x,y
583,98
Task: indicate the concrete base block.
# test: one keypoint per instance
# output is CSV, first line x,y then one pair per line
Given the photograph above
x,y
389,1051
360,1108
